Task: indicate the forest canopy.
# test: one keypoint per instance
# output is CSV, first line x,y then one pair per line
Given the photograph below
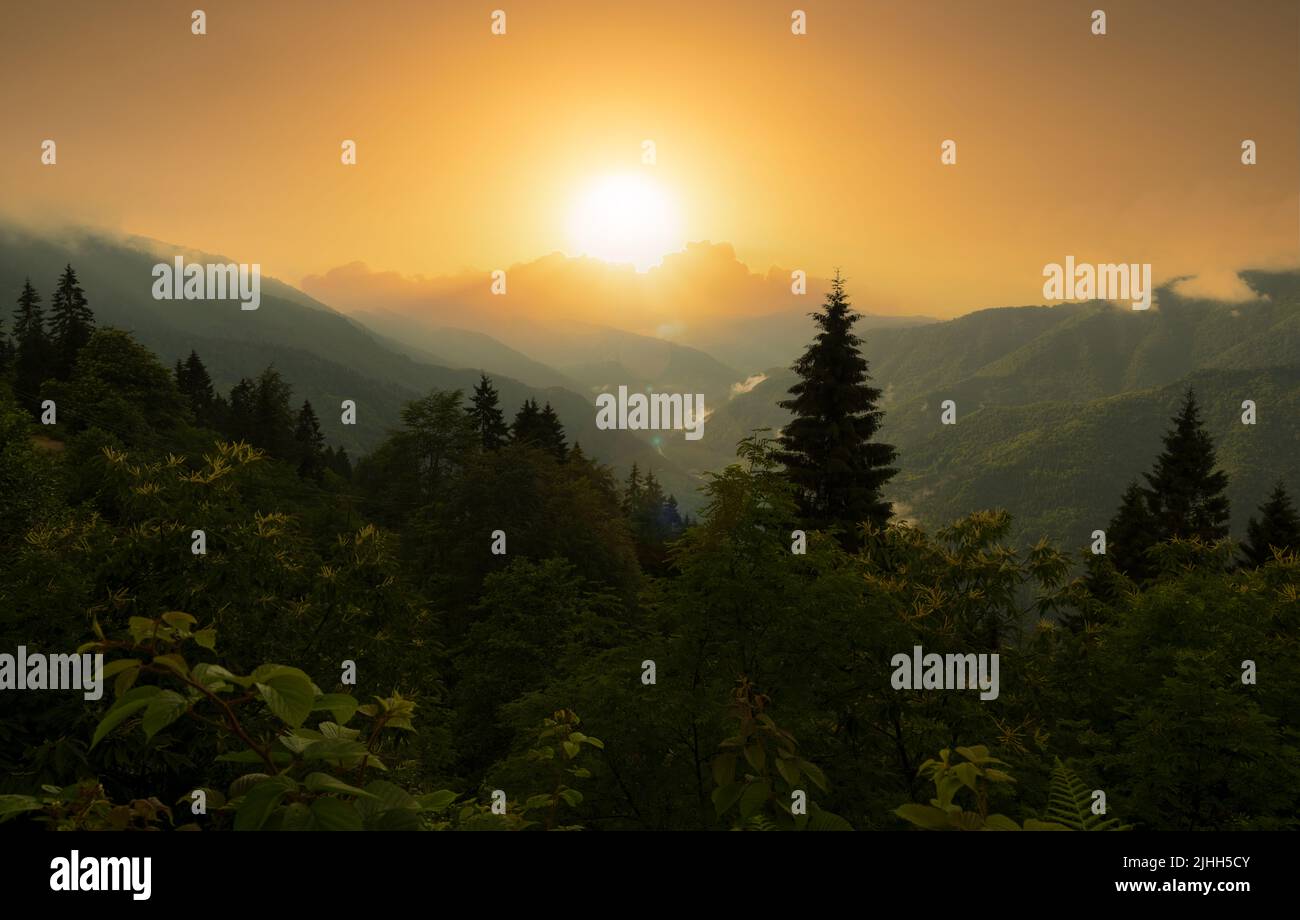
x,y
476,625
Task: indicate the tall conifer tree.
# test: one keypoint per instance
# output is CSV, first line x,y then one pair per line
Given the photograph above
x,y
829,448
31,348
310,443
71,323
1277,526
485,409
552,433
1185,492
524,429
196,386
1131,532
1183,497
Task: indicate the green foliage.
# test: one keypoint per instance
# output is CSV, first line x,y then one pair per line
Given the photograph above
x,y
761,777
1071,804
829,448
1175,693
1276,530
306,779
975,774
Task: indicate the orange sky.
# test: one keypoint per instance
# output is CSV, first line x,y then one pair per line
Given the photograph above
x,y
803,152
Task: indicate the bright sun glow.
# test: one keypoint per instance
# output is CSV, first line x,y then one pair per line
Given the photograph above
x,y
625,218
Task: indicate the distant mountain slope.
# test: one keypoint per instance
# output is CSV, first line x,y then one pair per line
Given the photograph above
x,y
1058,408
752,343
1061,468
460,348
616,358
327,357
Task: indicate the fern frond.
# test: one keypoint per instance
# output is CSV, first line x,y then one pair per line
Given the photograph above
x,y
1069,802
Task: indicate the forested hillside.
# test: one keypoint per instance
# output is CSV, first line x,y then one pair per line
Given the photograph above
x,y
477,626
1056,404
326,356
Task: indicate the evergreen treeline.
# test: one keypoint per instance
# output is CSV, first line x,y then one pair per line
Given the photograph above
x,y
479,606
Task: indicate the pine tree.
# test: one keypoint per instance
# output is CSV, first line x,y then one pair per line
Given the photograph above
x,y
196,386
632,495
241,424
828,449
1184,492
1278,527
338,461
273,419
310,443
1130,533
487,415
552,433
526,428
31,348
71,323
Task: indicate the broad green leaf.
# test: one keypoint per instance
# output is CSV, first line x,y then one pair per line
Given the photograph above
x,y
182,621
572,796
333,814
125,681
334,730
926,816
967,774
385,796
341,706
437,801
143,629
288,693
243,783
212,674
173,661
323,782
258,803
756,756
13,805
118,666
163,710
297,817
207,638
129,703
347,754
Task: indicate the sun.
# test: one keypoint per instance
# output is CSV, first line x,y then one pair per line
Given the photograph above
x,y
625,218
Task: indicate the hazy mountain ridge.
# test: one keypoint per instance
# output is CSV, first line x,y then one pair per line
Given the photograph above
x,y
323,354
1059,407
1047,397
